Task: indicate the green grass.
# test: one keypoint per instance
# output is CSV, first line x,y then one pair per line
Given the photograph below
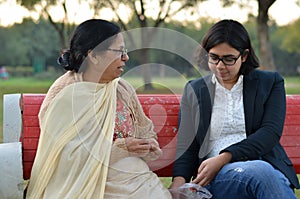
x,y
162,85
292,85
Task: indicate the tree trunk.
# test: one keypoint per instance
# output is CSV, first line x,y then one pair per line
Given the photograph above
x,y
143,58
265,49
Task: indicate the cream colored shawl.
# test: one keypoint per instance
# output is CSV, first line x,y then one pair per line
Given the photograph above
x,y
70,154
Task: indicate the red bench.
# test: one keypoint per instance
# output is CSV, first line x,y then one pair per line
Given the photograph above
x,y
163,111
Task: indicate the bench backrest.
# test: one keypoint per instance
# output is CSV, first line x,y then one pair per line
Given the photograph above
x,y
162,109
290,139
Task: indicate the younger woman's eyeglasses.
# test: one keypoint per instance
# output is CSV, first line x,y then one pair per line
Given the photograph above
x,y
228,60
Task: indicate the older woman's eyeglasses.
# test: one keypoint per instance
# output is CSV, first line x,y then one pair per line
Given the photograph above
x,y
123,52
228,60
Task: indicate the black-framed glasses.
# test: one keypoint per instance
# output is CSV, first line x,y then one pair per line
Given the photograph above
x,y
123,52
227,60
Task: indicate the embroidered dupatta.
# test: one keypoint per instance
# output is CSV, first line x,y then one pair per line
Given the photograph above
x,y
75,143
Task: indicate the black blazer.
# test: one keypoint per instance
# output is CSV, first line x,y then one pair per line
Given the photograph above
x,y
264,105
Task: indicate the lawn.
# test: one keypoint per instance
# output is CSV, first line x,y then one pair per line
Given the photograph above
x,y
162,85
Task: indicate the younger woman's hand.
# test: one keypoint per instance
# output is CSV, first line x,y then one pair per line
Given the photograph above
x,y
210,167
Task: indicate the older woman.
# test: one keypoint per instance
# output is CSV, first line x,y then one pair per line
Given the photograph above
x,y
95,138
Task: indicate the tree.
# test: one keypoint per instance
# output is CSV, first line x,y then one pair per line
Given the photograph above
x,y
265,48
43,7
140,14
139,11
164,12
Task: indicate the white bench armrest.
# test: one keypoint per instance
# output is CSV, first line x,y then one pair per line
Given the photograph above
x,y
11,118
11,172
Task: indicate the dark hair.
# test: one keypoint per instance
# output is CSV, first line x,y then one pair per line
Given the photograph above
x,y
234,34
87,36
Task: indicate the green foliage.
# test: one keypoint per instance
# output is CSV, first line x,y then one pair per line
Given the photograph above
x,y
285,46
14,48
22,43
26,41
19,71
31,3
292,42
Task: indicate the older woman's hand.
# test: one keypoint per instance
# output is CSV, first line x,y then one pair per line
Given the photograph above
x,y
155,150
138,147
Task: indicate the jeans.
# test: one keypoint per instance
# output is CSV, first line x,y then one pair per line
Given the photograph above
x,y
255,179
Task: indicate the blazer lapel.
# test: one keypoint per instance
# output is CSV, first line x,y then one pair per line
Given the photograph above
x,y
249,95
207,100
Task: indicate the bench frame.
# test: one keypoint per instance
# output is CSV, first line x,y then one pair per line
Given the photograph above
x,y
21,133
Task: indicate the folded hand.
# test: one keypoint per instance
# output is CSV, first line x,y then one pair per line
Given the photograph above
x,y
138,147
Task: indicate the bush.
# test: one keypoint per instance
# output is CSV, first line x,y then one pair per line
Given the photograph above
x,y
20,71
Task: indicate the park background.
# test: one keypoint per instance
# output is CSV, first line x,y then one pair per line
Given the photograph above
x,y
37,31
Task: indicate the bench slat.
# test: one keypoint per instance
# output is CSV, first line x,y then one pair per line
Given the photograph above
x,y
31,109
292,120
33,98
31,132
293,99
29,155
30,121
293,109
165,130
291,130
30,144
291,140
296,164
159,109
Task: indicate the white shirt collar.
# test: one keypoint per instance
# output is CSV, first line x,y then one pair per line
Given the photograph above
x,y
238,84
